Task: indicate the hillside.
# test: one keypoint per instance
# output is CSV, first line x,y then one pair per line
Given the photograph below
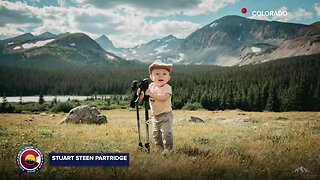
x,y
228,41
66,50
234,40
159,49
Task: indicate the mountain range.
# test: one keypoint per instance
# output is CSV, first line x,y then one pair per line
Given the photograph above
x,y
228,41
232,40
56,51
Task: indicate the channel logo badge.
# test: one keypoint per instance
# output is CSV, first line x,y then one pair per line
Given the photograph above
x,y
30,159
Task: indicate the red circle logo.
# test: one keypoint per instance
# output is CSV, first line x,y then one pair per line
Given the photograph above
x,y
30,159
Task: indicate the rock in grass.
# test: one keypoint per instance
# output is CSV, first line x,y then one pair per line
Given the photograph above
x,y
303,173
240,120
85,115
196,119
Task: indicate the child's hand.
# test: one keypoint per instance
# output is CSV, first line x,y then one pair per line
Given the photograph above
x,y
140,93
148,92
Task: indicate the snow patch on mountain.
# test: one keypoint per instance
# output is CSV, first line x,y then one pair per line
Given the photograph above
x,y
17,47
213,25
162,49
37,44
181,57
255,49
109,56
169,40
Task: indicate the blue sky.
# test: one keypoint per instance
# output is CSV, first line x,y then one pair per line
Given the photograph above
x,y
131,22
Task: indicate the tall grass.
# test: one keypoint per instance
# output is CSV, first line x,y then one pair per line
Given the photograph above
x,y
272,148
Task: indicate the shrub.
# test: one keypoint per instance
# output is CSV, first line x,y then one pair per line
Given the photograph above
x,y
201,140
30,107
192,151
6,109
104,108
192,106
63,107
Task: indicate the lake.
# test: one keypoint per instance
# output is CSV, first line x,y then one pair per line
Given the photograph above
x,y
46,98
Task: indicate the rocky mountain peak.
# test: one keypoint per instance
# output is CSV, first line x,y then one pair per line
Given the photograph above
x,y
46,35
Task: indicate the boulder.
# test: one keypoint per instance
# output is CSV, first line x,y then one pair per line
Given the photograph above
x,y
84,114
303,173
43,114
196,119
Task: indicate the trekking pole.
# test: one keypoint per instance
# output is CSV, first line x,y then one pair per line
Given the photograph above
x,y
138,123
146,106
145,85
135,103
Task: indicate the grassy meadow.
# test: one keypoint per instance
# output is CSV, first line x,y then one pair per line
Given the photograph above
x,y
278,146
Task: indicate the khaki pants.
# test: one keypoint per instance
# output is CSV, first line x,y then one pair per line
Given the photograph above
x,y
162,130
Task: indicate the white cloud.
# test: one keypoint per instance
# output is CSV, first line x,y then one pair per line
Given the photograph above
x,y
56,20
10,30
28,18
132,29
79,1
296,15
125,25
167,5
208,6
163,7
317,8
17,13
180,29
61,3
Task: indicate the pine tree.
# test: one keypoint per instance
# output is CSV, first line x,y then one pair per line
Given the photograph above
x,y
251,99
272,101
41,99
20,100
54,100
4,101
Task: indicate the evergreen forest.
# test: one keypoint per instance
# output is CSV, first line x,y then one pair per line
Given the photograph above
x,y
291,84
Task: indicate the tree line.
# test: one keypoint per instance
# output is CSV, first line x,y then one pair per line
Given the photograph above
x,y
291,84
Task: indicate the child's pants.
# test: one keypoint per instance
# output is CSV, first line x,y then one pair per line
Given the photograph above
x,y
162,130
